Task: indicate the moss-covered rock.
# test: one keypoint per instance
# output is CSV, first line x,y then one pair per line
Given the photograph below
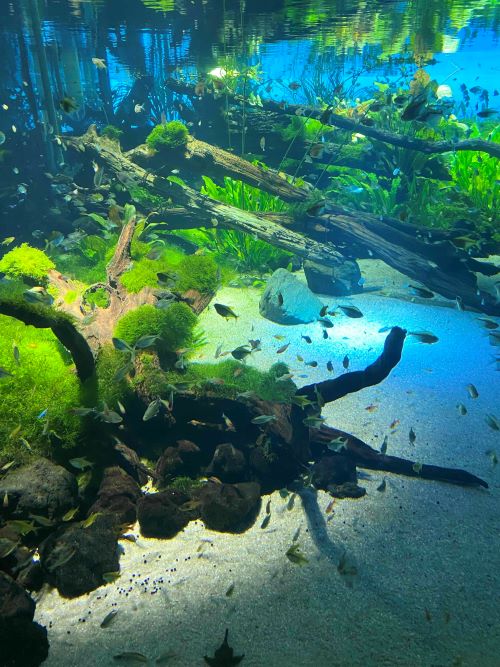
x,y
26,262
174,325
168,136
112,132
143,273
197,272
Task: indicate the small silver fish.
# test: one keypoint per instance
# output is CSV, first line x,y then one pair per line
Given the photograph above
x,y
263,419
108,618
493,422
472,391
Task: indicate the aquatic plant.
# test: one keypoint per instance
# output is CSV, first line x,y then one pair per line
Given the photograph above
x,y
242,251
477,175
148,200
112,132
304,129
143,273
236,378
197,272
97,297
110,389
37,400
173,325
185,484
169,136
26,262
246,197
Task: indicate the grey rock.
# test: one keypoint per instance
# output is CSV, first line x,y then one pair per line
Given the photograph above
x,y
340,280
41,487
299,305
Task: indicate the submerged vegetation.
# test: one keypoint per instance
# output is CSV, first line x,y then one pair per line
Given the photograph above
x,y
26,262
38,396
169,136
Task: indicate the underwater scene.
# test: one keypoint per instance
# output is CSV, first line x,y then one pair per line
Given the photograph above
x,y
250,333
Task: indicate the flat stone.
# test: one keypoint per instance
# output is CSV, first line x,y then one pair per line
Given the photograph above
x,y
287,300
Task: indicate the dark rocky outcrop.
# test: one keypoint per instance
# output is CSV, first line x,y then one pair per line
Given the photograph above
x,y
228,463
41,487
335,469
182,459
287,300
74,558
23,643
118,494
229,507
160,514
339,280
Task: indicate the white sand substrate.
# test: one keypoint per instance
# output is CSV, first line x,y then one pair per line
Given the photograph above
x,y
427,588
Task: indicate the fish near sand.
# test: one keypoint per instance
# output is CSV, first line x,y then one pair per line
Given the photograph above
x,y
224,655
225,311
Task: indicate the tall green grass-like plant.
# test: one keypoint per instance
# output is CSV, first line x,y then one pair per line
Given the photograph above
x,y
242,251
477,175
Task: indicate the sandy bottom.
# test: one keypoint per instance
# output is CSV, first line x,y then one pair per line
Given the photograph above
x,y
427,588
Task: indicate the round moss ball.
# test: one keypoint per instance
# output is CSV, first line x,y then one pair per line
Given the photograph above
x,y
168,136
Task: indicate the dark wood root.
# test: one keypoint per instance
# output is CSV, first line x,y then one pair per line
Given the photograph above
x,y
365,456
348,383
439,265
352,125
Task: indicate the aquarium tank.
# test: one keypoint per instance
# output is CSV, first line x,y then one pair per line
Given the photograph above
x,y
250,333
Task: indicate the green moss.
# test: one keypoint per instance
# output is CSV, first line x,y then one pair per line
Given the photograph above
x,y
98,297
143,273
150,378
197,272
168,136
185,484
264,384
109,362
70,296
26,262
174,325
147,199
112,132
44,379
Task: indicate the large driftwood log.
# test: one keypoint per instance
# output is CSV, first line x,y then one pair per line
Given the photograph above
x,y
205,210
203,158
440,266
336,120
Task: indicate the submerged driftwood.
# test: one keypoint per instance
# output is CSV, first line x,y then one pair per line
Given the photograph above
x,y
439,265
352,125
